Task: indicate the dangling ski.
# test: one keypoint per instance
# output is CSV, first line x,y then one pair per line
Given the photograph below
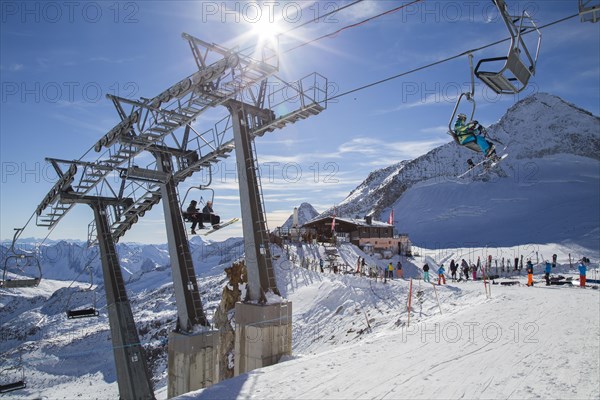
x,y
491,165
486,162
220,226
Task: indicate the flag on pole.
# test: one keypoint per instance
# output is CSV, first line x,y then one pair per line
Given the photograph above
x,y
391,218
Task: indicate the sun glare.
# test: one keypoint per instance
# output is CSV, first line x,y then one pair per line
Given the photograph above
x,y
266,31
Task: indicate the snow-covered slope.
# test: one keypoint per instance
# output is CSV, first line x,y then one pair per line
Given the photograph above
x,y
550,181
499,348
341,323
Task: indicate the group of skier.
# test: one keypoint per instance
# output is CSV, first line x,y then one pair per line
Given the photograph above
x,y
458,271
474,268
454,271
441,276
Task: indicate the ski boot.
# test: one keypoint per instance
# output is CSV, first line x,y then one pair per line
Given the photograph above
x,y
491,155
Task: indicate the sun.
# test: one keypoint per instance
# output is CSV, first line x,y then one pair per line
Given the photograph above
x,y
267,34
266,30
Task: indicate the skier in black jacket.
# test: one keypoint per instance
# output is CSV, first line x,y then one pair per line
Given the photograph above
x,y
465,268
453,268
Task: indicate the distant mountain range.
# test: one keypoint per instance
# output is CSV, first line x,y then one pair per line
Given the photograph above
x,y
68,260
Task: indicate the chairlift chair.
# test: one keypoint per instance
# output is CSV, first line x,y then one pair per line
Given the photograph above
x,y
463,96
186,216
13,377
13,384
589,10
184,213
19,262
469,98
82,312
519,63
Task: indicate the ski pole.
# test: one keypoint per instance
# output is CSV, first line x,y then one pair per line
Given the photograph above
x,y
485,284
570,262
409,301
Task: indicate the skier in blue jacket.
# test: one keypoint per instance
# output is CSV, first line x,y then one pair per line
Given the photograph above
x,y
582,272
547,271
441,277
470,132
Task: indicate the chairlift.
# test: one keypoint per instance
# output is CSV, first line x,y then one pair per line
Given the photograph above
x,y
469,98
201,188
589,10
75,311
13,377
19,267
519,63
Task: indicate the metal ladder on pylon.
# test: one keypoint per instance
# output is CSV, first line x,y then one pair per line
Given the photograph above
x,y
264,231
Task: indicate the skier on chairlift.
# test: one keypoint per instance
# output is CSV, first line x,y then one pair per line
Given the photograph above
x,y
472,132
195,216
210,216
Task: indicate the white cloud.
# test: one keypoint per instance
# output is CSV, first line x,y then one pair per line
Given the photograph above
x,y
361,145
376,150
361,11
441,129
429,100
12,67
86,127
109,60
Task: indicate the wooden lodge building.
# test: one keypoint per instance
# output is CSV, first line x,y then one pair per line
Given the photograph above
x,y
371,236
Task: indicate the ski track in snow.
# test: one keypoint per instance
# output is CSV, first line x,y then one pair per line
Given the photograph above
x,y
531,360
547,346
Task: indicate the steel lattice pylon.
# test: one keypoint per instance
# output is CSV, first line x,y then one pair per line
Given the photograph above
x,y
124,187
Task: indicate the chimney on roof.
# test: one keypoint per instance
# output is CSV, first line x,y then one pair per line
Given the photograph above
x,y
369,219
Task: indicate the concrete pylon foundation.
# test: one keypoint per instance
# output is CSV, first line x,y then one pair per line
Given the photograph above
x,y
263,334
193,362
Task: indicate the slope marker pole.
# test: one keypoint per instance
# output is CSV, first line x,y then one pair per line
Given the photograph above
x,y
437,298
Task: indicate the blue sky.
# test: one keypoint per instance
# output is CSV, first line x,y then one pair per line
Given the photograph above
x,y
59,59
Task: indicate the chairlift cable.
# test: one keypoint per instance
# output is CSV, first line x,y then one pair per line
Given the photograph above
x,y
442,61
315,19
364,21
372,83
87,265
320,17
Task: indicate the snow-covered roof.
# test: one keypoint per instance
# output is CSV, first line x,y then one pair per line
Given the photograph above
x,y
353,221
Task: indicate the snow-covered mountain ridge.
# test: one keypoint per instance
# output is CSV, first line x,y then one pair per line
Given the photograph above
x,y
537,126
306,212
67,260
552,147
